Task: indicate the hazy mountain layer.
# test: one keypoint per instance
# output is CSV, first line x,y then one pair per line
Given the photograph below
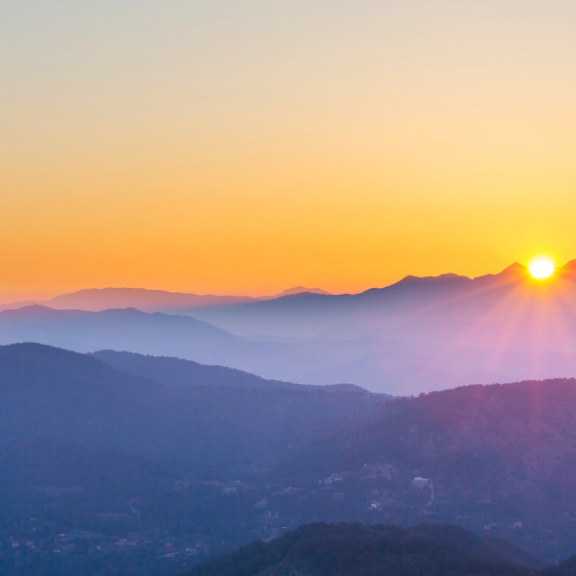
x,y
381,364
350,315
419,334
99,299
394,365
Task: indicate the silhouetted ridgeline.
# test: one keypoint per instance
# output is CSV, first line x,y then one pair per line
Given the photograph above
x,y
179,372
355,550
447,297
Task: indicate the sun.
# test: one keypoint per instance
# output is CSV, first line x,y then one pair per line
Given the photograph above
x,y
541,267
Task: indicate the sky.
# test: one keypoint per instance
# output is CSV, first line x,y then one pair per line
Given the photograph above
x,y
246,146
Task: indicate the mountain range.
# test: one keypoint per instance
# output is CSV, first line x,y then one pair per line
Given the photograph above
x,y
419,334
412,300
99,299
166,335
381,365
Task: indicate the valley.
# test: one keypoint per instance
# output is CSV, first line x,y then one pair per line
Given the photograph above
x,y
170,475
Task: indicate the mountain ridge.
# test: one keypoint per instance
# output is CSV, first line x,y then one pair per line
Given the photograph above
x,y
147,300
180,372
344,549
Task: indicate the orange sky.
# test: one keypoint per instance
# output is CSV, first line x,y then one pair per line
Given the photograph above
x,y
210,148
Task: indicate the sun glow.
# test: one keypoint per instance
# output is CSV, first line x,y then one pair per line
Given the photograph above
x,y
541,267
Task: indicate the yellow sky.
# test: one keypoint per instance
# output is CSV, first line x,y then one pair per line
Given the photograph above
x,y
244,147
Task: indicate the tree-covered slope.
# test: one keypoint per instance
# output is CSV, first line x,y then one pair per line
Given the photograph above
x,y
355,550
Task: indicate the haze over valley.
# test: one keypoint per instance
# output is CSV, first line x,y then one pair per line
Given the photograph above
x,y
417,335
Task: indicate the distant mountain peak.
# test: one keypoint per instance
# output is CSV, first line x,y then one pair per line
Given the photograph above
x,y
29,309
569,269
302,290
433,279
515,268
515,271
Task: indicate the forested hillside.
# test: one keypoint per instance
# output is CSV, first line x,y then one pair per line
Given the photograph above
x,y
355,550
